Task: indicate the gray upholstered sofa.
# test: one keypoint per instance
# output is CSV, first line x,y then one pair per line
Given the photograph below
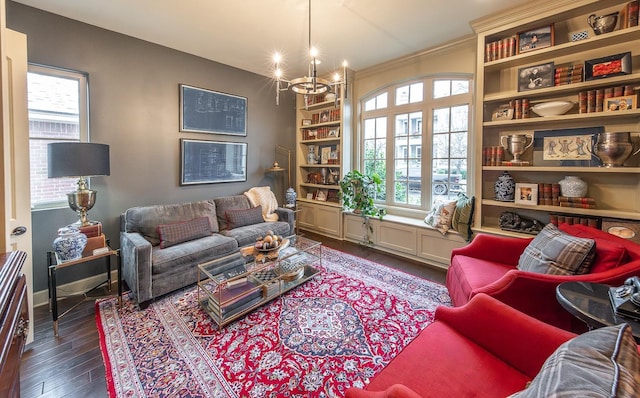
x,y
161,245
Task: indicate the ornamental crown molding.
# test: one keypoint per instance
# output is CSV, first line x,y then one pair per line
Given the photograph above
x,y
533,10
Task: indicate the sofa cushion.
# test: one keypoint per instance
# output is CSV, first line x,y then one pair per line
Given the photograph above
x,y
600,363
243,217
191,253
475,371
183,231
557,253
247,235
226,203
145,219
463,216
439,217
470,274
394,391
609,254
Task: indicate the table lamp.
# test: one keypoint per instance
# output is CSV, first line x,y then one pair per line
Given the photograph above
x,y
79,159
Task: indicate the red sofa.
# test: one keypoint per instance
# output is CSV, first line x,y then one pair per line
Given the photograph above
x,y
483,349
489,265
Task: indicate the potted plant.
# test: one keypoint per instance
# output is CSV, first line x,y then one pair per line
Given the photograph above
x,y
357,191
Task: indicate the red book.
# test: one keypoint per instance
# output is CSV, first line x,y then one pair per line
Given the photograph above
x,y
632,13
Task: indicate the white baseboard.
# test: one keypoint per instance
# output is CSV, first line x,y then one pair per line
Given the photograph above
x,y
76,287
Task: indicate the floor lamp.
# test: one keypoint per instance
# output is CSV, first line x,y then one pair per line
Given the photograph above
x,y
290,193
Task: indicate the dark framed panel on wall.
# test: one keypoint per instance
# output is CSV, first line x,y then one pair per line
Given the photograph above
x,y
209,162
207,111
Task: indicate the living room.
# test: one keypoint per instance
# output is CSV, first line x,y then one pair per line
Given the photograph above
x,y
134,102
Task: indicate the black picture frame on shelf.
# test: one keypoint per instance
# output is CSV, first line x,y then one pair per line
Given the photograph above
x,y
613,65
210,162
573,159
536,77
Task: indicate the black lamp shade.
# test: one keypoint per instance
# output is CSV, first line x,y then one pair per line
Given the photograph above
x,y
78,159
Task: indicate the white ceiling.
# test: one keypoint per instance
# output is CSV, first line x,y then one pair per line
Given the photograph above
x,y
246,33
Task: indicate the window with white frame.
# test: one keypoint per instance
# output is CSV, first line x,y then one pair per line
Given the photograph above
x,y
58,112
394,135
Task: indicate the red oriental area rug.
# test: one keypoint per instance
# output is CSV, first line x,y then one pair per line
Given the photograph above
x,y
334,332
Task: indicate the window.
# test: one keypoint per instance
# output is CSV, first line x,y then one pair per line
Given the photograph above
x,y
58,111
394,136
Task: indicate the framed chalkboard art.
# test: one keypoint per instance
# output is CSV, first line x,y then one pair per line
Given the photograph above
x,y
209,162
206,111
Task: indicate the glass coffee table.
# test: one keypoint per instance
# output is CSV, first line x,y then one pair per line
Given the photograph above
x,y
234,285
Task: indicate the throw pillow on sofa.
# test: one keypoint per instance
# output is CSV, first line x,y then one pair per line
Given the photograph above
x,y
243,217
600,363
439,217
463,216
183,231
557,253
609,254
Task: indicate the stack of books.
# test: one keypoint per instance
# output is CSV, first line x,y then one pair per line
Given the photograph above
x,y
230,301
549,194
568,74
584,202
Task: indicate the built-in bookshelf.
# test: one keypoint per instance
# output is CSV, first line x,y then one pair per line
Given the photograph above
x,y
569,55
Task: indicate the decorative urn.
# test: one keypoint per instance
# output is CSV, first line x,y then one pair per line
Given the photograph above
x,y
573,187
505,188
290,197
69,244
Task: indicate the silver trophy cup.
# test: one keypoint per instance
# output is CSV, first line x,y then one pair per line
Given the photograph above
x,y
516,144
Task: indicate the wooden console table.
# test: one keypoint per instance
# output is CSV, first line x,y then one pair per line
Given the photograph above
x,y
14,315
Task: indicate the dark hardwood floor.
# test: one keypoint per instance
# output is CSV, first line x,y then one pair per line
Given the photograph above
x,y
71,364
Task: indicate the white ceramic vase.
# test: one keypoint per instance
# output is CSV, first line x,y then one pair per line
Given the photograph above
x,y
573,187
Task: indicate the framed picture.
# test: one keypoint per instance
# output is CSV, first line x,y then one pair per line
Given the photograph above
x,y
325,154
206,111
566,147
208,162
626,229
306,122
502,112
535,77
321,195
324,116
526,194
613,65
620,103
309,195
536,39
334,132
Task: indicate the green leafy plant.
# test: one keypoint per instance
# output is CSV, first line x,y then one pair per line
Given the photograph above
x,y
357,192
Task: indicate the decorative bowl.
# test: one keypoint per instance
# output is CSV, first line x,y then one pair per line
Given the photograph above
x,y
553,108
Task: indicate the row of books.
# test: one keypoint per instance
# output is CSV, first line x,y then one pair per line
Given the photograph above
x,y
499,49
492,155
557,219
320,133
521,108
629,15
329,115
549,194
593,100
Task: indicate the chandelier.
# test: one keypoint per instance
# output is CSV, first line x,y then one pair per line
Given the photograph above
x,y
310,84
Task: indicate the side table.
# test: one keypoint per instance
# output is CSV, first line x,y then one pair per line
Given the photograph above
x,y
54,264
590,303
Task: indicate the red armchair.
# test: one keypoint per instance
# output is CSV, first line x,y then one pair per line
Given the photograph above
x,y
489,265
483,349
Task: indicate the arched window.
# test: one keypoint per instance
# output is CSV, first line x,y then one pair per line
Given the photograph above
x,y
398,121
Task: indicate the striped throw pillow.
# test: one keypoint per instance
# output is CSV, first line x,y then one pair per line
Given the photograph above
x,y
600,363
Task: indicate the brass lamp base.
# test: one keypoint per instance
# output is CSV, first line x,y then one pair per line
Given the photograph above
x,y
81,201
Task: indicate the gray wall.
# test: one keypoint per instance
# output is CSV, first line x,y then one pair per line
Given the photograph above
x,y
134,103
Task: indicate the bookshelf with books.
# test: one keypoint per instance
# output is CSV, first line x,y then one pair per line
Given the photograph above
x,y
570,58
323,126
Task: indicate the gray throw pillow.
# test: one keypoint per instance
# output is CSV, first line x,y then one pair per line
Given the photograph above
x,y
557,253
183,231
600,363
